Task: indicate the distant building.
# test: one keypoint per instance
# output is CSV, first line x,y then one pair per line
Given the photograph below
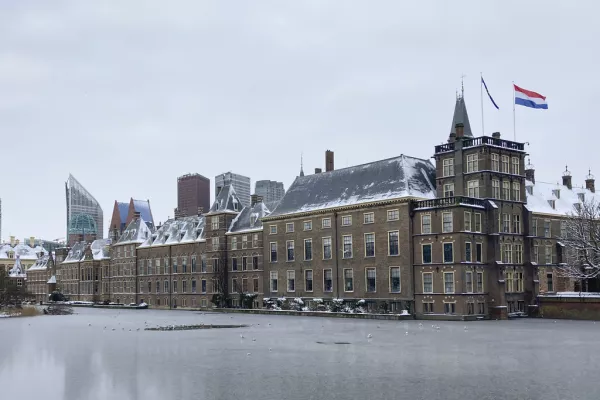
x,y
27,254
193,195
82,209
240,183
0,220
49,245
269,190
125,212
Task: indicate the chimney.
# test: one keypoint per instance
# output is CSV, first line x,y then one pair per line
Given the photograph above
x,y
254,199
459,130
496,135
590,183
31,241
530,172
328,161
12,241
566,179
136,215
200,210
318,170
452,137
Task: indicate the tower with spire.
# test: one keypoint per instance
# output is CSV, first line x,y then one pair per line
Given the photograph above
x,y
301,165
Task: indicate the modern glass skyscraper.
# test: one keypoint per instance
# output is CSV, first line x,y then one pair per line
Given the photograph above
x,y
81,207
240,183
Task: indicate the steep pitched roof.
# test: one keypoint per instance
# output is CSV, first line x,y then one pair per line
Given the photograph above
x,y
226,201
123,210
100,249
136,232
541,194
24,251
17,270
177,231
76,253
143,207
41,264
249,219
393,178
461,116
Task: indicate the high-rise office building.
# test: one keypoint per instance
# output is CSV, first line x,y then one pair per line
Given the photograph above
x,y
193,194
84,214
0,220
240,183
269,190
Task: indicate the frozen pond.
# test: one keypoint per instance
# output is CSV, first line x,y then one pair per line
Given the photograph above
x,y
62,357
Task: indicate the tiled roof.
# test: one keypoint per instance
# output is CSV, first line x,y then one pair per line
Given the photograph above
x,y
389,179
143,207
24,251
177,231
541,194
123,211
249,219
461,116
136,232
226,201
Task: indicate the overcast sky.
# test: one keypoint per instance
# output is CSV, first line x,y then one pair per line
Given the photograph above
x,y
128,95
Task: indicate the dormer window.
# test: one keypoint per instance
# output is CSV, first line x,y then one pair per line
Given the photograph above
x,y
581,197
556,193
552,203
11,254
577,207
253,220
529,190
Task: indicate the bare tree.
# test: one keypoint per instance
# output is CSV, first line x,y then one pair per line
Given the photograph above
x,y
581,258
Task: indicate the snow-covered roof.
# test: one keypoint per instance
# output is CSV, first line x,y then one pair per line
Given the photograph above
x,y
17,270
136,232
389,179
41,264
52,279
249,219
100,249
24,251
76,253
540,195
226,201
177,231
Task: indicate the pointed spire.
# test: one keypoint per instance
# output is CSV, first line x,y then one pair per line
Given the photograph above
x,y
301,165
460,115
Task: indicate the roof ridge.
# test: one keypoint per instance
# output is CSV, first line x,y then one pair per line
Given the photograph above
x,y
371,162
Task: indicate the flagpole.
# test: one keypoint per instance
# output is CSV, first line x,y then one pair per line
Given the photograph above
x,y
514,120
481,96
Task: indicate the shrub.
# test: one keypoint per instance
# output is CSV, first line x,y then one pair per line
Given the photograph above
x,y
29,312
336,305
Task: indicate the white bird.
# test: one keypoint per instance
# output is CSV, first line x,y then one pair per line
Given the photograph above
x,y
369,336
466,328
248,354
241,336
554,321
254,339
405,333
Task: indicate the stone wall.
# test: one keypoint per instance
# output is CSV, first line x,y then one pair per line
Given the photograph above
x,y
576,307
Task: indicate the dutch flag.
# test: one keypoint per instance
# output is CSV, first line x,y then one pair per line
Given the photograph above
x,y
527,98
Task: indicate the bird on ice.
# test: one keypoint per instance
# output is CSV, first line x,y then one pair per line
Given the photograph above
x,y
248,354
369,336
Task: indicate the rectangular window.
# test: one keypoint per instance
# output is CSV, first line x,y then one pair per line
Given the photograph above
x,y
548,254
371,280
194,286
174,265
368,218
194,264
447,222
174,286
184,264
469,282
468,252
347,241
244,241
215,244
448,253
480,282
234,285
518,254
393,215
536,253
273,280
244,263
290,250
393,245
505,190
244,285
273,251
427,282
449,190
203,264
307,249
547,228
326,248
470,308
510,282
215,264
516,192
473,188
426,223
550,281
395,279
427,307
255,240
467,221
495,188
505,166
515,166
563,229
308,280
255,285
472,165
234,243
166,286
326,223
214,223
477,227
507,253
478,252
348,280
506,223
516,228
449,282
308,225
327,280
448,167
273,229
519,281
234,266
347,220
426,253
369,245
481,307
255,262
495,162
289,227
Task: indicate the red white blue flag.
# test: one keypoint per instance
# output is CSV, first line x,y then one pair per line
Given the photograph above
x,y
527,98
